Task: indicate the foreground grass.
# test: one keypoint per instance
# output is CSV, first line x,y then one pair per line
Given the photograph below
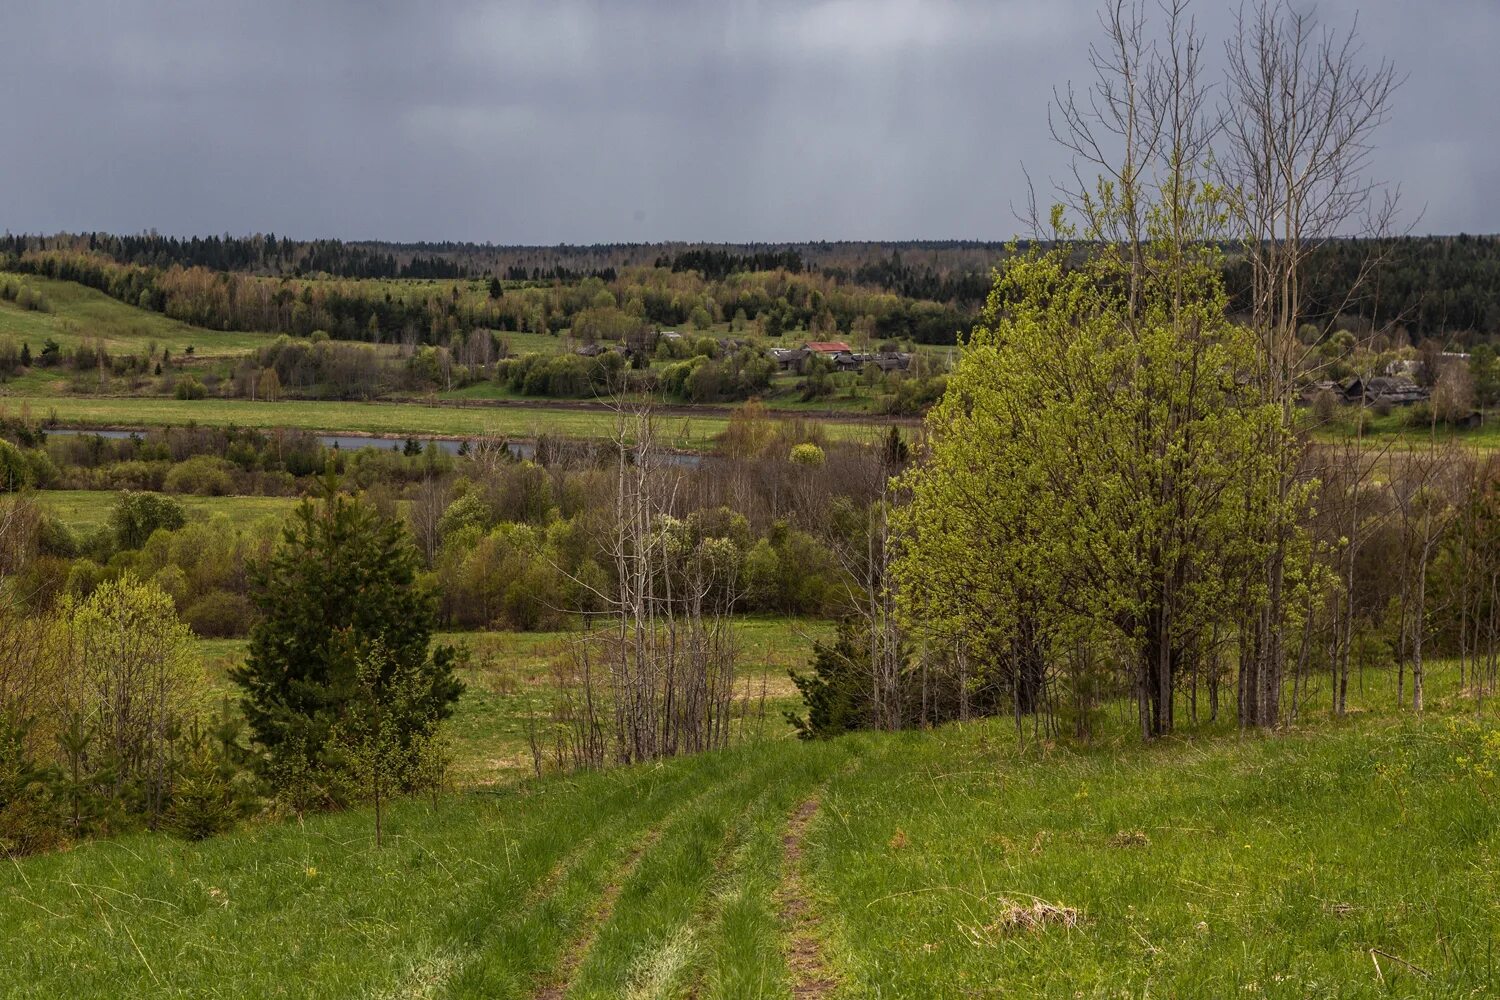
x,y
77,314
1238,867
1283,867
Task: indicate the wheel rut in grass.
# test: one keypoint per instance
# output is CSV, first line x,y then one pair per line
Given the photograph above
x,y
709,910
810,974
576,952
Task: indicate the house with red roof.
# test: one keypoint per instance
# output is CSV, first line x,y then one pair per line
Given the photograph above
x,y
827,348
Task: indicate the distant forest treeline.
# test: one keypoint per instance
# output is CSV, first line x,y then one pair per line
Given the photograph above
x,y
1444,287
625,307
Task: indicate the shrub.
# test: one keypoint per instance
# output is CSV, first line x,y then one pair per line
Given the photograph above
x,y
220,614
806,454
837,691
202,475
189,387
16,472
212,790
30,819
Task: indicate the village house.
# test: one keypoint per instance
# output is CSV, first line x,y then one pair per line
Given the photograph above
x,y
842,358
1390,390
788,359
827,348
1310,392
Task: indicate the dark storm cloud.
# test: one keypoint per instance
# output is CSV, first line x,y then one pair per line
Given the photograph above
x,y
592,121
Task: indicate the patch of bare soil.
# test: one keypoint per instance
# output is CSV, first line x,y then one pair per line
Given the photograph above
x,y
804,957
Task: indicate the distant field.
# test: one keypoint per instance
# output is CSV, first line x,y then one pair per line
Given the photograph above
x,y
535,343
1397,430
78,313
782,399
356,418
675,430
87,509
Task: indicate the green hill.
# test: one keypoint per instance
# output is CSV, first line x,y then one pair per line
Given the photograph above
x,y
1358,860
75,313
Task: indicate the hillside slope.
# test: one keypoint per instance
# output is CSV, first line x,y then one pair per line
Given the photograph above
x,y
1357,861
76,313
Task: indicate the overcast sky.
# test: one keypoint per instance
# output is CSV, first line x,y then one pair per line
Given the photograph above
x,y
621,121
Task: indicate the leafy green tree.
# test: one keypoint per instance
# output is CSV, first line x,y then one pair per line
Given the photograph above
x,y
130,679
16,471
389,742
341,582
135,516
1098,474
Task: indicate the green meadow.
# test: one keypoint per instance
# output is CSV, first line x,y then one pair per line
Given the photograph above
x,y
395,419
84,510
511,677
674,430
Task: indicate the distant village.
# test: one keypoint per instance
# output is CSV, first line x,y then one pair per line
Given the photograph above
x,y
1397,387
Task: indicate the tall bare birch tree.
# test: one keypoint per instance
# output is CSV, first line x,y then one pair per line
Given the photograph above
x,y
1300,113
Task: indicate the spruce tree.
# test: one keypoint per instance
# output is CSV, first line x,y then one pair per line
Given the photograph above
x,y
341,583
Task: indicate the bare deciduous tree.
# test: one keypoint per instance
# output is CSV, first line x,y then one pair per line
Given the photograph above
x,y
654,674
1300,113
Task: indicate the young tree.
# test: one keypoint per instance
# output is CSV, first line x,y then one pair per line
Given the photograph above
x,y
342,580
268,386
1096,459
129,676
1094,462
388,742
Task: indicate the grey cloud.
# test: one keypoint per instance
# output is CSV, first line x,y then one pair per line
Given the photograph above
x,y
592,121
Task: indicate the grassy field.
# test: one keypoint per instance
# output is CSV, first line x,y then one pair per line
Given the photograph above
x,y
78,313
1352,859
783,397
356,418
509,676
692,432
87,509
1397,431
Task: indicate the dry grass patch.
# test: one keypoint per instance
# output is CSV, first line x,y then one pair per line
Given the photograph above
x,y
1130,838
1033,917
